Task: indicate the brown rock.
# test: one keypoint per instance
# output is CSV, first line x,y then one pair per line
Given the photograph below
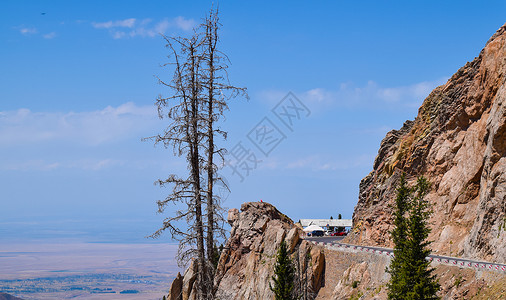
x,y
246,265
176,288
188,280
355,278
292,238
458,142
233,215
318,264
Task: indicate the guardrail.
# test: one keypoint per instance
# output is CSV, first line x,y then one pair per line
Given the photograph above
x,y
452,261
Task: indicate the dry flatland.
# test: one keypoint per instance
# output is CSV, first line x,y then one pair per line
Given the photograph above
x,y
87,271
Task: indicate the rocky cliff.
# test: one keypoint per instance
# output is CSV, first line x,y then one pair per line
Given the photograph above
x,y
458,142
247,262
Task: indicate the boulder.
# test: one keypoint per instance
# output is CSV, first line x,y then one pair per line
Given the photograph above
x,y
176,288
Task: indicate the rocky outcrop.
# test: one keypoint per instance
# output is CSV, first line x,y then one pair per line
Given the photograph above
x,y
246,264
176,288
361,275
457,141
182,286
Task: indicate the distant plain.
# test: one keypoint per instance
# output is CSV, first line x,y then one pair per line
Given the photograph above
x,y
87,270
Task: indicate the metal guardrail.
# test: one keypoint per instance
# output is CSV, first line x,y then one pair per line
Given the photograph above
x,y
452,261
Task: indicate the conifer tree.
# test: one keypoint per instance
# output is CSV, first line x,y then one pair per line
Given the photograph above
x,y
422,282
284,275
397,286
412,277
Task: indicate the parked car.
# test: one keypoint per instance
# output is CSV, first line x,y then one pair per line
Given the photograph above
x,y
317,233
341,233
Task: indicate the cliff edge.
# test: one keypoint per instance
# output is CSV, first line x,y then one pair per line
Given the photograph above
x,y
458,142
247,261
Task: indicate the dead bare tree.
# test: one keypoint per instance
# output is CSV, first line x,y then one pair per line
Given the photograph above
x,y
219,91
200,91
184,136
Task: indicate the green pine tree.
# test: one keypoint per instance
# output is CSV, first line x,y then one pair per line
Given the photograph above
x,y
397,286
284,275
412,277
422,282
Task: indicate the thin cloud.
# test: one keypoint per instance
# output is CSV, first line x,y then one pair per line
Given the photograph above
x,y
28,31
43,165
318,163
373,94
118,34
24,127
129,23
370,95
184,24
162,26
131,28
50,35
315,163
32,31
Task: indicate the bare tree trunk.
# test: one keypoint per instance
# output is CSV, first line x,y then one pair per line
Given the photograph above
x,y
198,100
195,166
210,36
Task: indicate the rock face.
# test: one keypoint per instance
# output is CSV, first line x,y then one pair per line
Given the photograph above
x,y
458,142
176,289
246,264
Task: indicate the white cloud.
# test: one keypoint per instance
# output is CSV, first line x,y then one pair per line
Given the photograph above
x,y
43,165
89,140
129,23
184,24
318,163
369,95
130,28
118,34
28,165
24,127
28,31
315,163
416,91
372,93
50,35
162,26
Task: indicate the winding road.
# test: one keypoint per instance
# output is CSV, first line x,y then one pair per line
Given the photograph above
x,y
335,243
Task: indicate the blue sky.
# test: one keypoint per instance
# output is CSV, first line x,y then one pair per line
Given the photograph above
x,y
77,89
